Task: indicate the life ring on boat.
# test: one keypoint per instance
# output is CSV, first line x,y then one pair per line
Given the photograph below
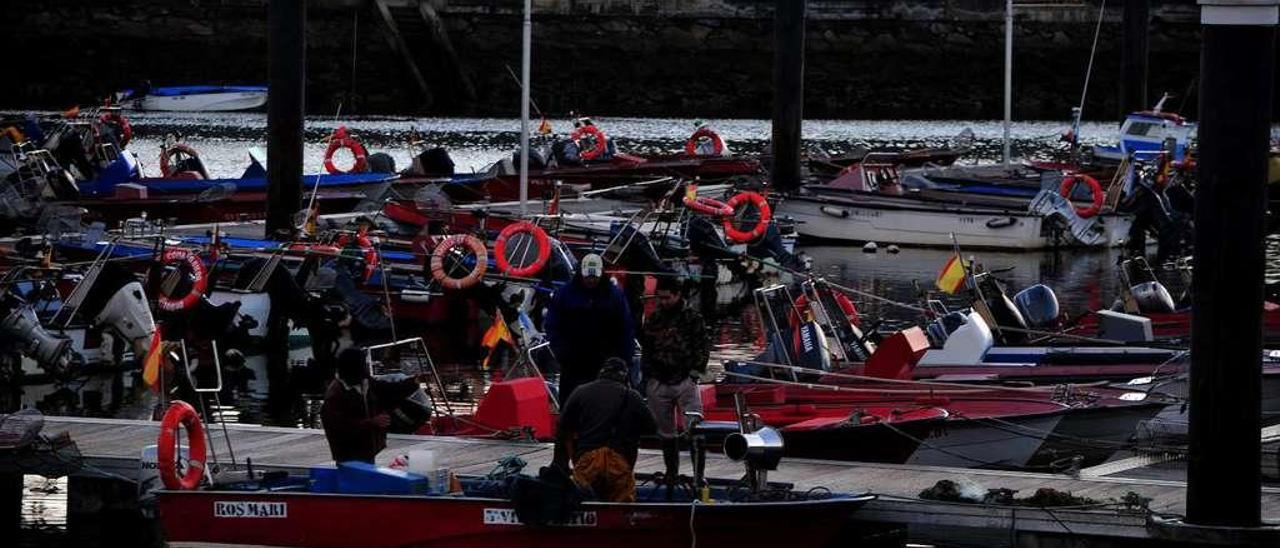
x,y
169,158
1069,183
766,214
118,120
15,134
366,247
707,206
540,239
181,412
447,246
691,146
601,141
199,280
340,140
801,304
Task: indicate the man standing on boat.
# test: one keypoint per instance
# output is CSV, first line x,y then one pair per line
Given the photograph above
x,y
354,416
675,346
588,322
600,429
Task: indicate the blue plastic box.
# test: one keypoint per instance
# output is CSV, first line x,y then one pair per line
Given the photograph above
x,y
362,478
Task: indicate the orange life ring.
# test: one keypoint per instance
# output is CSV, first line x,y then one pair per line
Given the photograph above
x,y
117,119
766,214
199,281
15,134
167,165
339,140
691,146
1069,184
366,247
181,412
842,300
540,239
601,141
445,247
708,206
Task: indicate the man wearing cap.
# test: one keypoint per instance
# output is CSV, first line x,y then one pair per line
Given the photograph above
x,y
354,416
600,429
675,346
587,322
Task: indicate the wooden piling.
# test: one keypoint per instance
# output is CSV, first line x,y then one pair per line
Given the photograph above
x,y
287,52
1133,57
788,91
1236,80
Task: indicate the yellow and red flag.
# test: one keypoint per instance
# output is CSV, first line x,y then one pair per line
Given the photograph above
x,y
498,332
544,128
151,364
953,275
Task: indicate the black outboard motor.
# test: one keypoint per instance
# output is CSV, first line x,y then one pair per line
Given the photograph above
x,y
1003,310
434,161
1038,305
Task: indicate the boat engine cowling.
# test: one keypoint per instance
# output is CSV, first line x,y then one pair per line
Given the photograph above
x,y
1152,298
1038,305
129,314
52,352
761,450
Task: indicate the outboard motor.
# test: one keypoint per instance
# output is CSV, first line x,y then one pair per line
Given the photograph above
x,y
1152,298
52,352
631,248
706,241
1038,305
1003,311
120,302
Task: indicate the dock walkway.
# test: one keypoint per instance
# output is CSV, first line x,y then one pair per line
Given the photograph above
x,y
113,447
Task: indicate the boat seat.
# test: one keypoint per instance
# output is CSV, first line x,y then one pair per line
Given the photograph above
x,y
517,403
897,355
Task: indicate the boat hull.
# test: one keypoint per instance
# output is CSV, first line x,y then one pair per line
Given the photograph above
x,y
918,225
231,518
203,102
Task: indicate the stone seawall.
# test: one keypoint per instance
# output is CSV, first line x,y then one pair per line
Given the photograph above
x,y
712,58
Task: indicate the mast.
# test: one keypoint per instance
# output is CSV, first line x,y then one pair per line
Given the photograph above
x,y
1008,75
524,105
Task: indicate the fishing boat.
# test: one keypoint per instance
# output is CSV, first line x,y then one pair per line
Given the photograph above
x,y
194,98
1146,134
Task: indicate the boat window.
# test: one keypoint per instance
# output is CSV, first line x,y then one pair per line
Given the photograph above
x,y
1144,129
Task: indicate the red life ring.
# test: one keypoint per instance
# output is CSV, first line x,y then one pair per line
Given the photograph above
x,y
601,141
339,140
366,247
691,146
181,412
166,164
118,120
842,300
540,239
707,206
766,214
199,281
445,247
1069,184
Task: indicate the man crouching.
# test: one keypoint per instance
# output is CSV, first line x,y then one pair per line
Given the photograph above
x,y
600,429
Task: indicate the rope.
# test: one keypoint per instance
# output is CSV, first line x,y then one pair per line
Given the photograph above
x,y
1037,389
1097,31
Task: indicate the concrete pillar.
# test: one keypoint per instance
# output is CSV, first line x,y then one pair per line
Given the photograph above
x,y
1236,79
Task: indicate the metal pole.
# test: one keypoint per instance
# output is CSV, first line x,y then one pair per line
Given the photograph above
x,y
1236,79
788,91
1008,75
525,61
1133,57
287,52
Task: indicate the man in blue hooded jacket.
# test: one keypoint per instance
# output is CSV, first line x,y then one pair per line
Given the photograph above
x,y
587,322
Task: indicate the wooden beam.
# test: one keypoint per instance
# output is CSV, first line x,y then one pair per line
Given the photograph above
x,y
440,37
397,43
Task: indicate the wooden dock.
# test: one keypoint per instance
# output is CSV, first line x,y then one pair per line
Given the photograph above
x,y
111,449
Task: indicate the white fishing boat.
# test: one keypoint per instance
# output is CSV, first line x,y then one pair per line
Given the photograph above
x,y
842,215
195,98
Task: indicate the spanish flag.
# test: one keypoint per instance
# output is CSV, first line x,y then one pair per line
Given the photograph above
x,y
544,128
151,364
953,275
498,332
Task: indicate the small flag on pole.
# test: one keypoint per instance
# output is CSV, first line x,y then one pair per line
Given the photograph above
x,y
151,364
498,332
544,128
953,275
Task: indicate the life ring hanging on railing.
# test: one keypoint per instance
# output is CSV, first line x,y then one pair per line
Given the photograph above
x,y
539,238
1069,184
717,144
366,247
199,280
707,206
601,141
168,161
447,246
342,139
181,413
736,235
119,120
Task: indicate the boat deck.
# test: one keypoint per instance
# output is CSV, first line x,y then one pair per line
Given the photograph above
x,y
113,447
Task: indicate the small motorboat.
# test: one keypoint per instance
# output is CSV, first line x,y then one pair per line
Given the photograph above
x,y
194,98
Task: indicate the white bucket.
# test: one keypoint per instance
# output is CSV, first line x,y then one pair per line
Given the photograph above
x,y
422,462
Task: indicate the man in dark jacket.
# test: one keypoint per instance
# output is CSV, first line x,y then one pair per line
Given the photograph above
x,y
355,410
587,322
675,346
600,429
